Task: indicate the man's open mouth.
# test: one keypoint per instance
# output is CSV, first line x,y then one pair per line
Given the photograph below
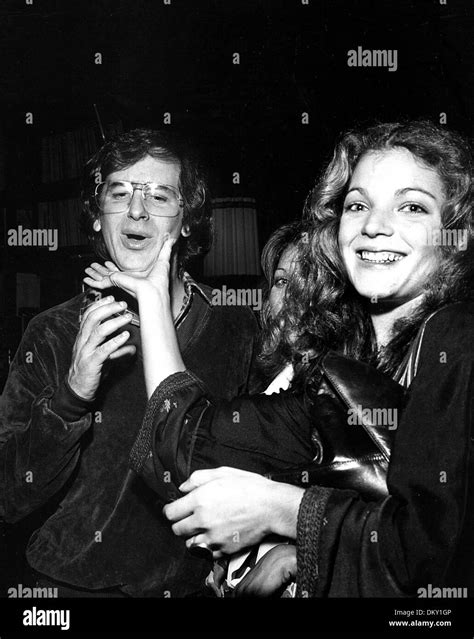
x,y
135,236
380,257
135,240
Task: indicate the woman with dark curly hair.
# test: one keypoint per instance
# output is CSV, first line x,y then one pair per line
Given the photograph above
x,y
386,278
278,265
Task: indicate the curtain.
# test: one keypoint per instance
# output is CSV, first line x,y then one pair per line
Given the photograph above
x,y
235,250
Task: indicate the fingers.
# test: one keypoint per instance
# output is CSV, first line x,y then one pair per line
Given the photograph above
x,y
166,249
164,258
196,540
129,349
95,283
119,278
100,310
105,329
271,573
183,507
188,528
129,283
98,270
111,266
200,477
94,330
106,350
102,302
99,276
97,311
90,349
96,327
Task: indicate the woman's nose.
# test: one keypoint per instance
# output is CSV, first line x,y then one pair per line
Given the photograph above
x,y
378,221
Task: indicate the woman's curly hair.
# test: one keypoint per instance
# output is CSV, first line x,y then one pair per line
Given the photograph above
x,y
322,309
274,353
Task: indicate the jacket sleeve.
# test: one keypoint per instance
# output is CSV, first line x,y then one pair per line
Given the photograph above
x,y
408,540
41,423
183,430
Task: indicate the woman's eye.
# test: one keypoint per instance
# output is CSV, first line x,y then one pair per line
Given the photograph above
x,y
413,208
355,207
280,282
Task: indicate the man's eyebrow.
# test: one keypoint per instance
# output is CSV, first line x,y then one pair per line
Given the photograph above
x,y
416,188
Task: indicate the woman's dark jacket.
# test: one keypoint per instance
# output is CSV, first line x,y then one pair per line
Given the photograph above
x,y
421,534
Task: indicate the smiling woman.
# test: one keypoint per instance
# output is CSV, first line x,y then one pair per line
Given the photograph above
x,y
369,283
387,198
391,210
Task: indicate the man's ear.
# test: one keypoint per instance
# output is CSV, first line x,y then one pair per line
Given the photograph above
x,y
185,230
96,226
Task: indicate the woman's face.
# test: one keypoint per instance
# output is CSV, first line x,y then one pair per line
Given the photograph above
x,y
391,214
280,279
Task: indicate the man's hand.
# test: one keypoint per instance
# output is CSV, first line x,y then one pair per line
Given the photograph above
x,y
92,349
230,509
275,570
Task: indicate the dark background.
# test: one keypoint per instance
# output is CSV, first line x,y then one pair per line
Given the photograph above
x,y
247,118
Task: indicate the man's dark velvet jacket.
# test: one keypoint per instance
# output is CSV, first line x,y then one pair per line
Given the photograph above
x,y
107,530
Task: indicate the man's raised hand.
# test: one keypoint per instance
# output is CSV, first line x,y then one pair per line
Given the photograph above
x,y
92,348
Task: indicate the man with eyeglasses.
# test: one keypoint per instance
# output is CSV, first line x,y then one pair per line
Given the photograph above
x,y
71,412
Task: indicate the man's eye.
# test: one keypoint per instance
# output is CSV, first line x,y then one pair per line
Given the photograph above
x,y
159,198
355,207
411,207
118,195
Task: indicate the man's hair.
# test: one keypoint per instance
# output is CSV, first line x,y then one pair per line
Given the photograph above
x,y
126,149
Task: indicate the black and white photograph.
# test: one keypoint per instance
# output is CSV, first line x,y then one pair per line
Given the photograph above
x,y
236,316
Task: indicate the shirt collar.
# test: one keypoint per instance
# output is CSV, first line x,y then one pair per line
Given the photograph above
x,y
190,286
190,283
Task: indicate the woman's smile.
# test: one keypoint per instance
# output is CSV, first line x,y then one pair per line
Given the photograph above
x,y
391,210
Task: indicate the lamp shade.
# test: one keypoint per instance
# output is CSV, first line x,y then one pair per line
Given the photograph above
x,y
235,250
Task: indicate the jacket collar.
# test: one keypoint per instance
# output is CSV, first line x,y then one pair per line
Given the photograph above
x,y
190,287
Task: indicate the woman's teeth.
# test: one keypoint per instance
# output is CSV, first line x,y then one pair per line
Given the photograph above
x,y
380,257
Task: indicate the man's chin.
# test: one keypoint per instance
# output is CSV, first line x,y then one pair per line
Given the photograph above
x,y
137,262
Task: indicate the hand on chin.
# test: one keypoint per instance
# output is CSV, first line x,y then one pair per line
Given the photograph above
x,y
139,265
